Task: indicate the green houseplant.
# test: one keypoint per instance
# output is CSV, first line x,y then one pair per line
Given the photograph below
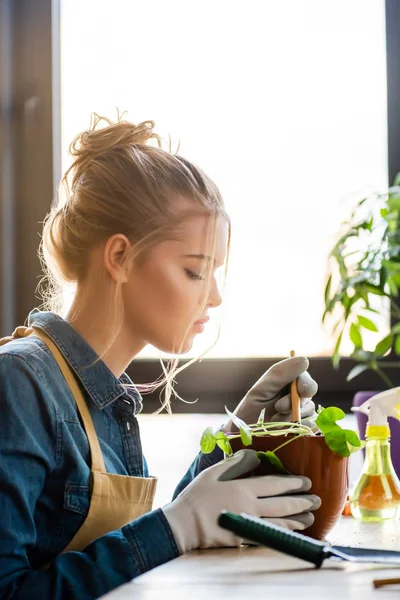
x,y
364,275
341,441
321,455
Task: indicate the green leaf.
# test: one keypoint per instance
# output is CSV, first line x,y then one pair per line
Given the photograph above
x,y
396,328
336,441
373,310
341,441
373,289
355,335
245,435
328,289
223,443
383,275
348,304
394,290
327,418
367,323
353,449
391,265
384,212
244,429
394,201
208,441
397,345
364,296
336,355
355,371
261,417
236,420
384,345
352,438
397,179
272,458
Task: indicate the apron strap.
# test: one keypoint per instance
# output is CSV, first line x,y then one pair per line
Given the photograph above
x,y
95,450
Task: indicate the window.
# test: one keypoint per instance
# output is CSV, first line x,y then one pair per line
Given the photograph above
x,y
282,103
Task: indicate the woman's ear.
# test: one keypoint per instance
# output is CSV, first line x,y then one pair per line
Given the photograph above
x,y
115,252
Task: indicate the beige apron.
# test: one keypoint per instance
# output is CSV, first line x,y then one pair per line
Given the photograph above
x,y
115,499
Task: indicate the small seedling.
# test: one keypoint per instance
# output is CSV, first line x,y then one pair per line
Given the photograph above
x,y
341,441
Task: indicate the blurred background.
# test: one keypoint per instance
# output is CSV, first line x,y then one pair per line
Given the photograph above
x,y
292,106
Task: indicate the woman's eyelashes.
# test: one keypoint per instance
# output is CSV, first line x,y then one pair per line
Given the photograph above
x,y
193,275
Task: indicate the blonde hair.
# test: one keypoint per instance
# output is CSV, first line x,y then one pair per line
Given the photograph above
x,y
119,183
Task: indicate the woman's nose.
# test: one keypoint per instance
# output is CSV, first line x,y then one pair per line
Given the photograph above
x,y
215,298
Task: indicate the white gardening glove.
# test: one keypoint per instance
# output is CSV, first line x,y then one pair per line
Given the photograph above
x,y
193,515
272,393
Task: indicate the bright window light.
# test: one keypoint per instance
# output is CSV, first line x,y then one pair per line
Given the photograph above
x,y
282,102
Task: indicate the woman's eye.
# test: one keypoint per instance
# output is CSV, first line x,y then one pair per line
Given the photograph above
x,y
193,275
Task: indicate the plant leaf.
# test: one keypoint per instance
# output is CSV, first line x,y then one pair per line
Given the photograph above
x,y
272,458
352,438
237,421
245,435
244,429
397,345
367,323
341,441
336,355
223,443
384,345
326,420
394,290
355,371
336,441
355,335
208,441
328,289
261,417
396,328
373,289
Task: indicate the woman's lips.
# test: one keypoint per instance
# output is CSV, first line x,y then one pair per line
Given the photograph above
x,y
202,321
200,324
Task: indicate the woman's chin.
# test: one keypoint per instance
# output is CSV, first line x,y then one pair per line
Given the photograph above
x,y
173,348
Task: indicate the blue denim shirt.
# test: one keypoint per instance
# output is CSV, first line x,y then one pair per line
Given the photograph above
x,y
45,468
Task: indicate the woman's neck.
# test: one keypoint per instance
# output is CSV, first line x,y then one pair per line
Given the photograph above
x,y
89,317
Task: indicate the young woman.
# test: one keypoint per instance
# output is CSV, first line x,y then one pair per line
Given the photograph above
x,y
139,237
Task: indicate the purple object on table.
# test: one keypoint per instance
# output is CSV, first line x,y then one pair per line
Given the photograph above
x,y
394,425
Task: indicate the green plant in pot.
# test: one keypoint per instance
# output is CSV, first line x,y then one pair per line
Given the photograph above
x,y
364,268
320,454
362,289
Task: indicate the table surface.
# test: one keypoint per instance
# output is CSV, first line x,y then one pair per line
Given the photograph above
x,y
255,572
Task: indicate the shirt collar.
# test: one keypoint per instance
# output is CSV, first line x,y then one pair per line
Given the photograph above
x,y
99,382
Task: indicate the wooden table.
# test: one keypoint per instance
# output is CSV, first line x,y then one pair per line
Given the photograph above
x,y
248,573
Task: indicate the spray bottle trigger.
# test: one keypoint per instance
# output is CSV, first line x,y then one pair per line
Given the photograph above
x,y
361,409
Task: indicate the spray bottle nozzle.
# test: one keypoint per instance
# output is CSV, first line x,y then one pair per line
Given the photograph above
x,y
362,409
380,407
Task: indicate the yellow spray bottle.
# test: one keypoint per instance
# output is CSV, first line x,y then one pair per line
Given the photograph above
x,y
376,496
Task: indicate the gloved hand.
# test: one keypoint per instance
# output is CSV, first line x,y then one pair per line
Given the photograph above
x,y
193,515
272,393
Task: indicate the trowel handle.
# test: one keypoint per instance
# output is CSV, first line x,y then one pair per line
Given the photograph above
x,y
267,534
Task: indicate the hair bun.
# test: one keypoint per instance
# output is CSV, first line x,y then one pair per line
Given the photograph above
x,y
102,137
111,136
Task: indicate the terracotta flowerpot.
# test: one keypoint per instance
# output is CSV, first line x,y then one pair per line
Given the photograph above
x,y
311,457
